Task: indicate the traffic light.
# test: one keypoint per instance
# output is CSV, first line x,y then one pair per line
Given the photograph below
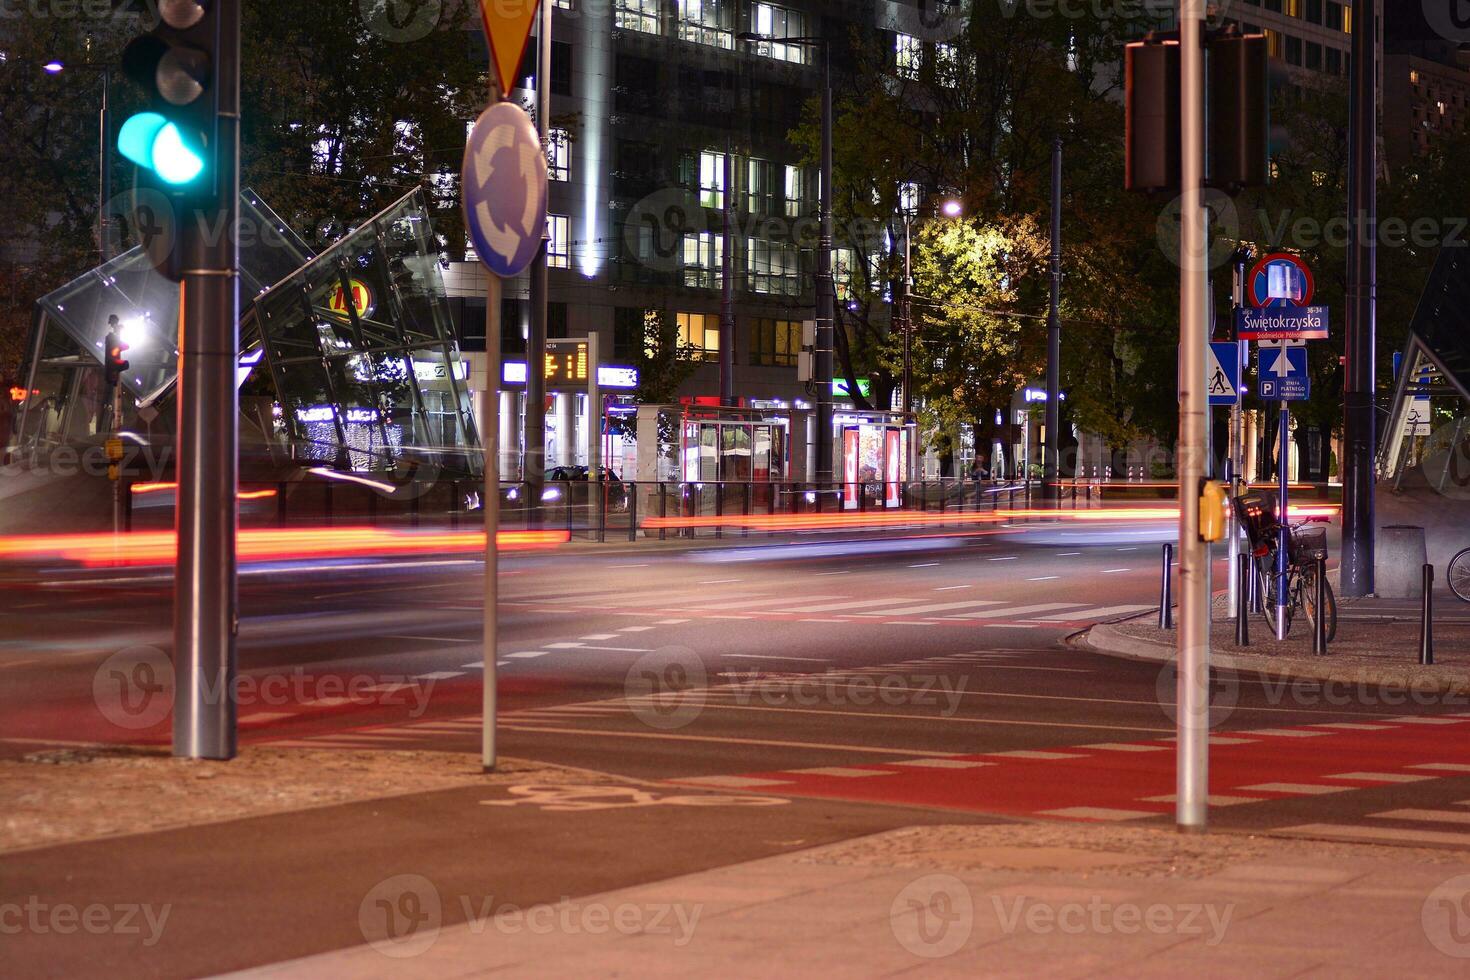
x,y
1151,94
114,362
1236,110
1239,116
174,140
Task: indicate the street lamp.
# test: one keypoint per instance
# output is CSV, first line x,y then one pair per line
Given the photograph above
x,y
951,208
826,295
104,166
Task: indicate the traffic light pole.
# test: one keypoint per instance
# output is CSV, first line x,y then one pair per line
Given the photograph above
x,y
1359,426
826,296
1193,719
206,619
1051,457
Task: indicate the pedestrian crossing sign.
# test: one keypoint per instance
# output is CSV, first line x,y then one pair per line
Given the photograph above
x,y
1222,377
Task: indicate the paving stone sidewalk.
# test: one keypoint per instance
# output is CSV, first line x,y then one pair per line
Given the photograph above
x,y
1377,643
1023,900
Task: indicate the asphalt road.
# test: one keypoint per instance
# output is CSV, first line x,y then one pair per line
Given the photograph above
x,y
873,683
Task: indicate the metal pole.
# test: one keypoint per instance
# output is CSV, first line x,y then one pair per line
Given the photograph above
x,y
1166,590
727,284
104,166
206,619
1283,531
533,439
1051,452
1319,600
1360,371
1192,759
1426,619
490,504
1234,462
906,312
825,297
1242,607
117,485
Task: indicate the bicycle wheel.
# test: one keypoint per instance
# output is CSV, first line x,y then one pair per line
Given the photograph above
x,y
1459,575
1309,602
1269,589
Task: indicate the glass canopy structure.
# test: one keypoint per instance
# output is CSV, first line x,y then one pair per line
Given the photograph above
x,y
363,372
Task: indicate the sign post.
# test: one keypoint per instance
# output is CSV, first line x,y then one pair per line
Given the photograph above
x,y
504,190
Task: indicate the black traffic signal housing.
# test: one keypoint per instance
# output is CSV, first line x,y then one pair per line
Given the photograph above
x,y
113,361
1239,112
175,139
1151,93
1237,128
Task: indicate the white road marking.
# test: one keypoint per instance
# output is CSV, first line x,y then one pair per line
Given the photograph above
x,y
841,772
925,564
1044,578
1380,777
1125,747
1096,613
932,607
1299,789
1352,726
439,675
951,588
1427,720
1036,754
1442,766
851,604
425,639
943,763
526,655
1115,571
659,622
1285,732
599,636
1006,558
568,645
1012,611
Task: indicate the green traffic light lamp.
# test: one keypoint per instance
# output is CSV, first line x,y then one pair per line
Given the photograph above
x,y
151,141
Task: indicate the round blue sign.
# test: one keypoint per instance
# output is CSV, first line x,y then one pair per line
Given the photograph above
x,y
504,189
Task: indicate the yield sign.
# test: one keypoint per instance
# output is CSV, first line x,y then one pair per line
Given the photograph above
x,y
508,29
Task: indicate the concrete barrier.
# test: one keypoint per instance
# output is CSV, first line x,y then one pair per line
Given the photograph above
x,y
1399,560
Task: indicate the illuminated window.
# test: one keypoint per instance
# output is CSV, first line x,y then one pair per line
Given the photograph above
x,y
558,155
775,343
708,22
778,23
844,271
712,179
558,241
637,15
704,256
795,191
772,267
701,332
909,54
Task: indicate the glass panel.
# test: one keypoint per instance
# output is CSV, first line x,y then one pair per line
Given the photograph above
x,y
358,341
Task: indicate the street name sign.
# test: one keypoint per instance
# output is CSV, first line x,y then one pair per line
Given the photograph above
x,y
1282,323
1283,374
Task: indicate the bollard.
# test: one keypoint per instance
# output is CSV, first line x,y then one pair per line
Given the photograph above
x,y
1166,591
663,508
1258,592
631,493
1319,589
1243,605
1426,620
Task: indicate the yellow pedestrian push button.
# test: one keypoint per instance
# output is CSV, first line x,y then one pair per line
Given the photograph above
x,y
115,449
1214,510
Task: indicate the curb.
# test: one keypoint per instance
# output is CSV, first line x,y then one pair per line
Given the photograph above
x,y
1108,640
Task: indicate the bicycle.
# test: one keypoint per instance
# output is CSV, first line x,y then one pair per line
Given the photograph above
x,y
1458,575
1307,545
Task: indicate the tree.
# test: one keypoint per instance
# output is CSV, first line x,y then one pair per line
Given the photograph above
x,y
974,347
